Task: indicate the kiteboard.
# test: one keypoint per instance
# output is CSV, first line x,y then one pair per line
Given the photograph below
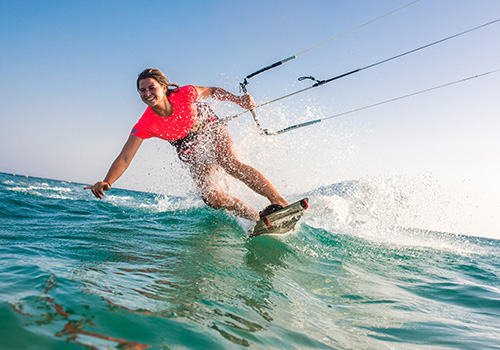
x,y
280,221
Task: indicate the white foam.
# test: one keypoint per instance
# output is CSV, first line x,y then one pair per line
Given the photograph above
x,y
390,211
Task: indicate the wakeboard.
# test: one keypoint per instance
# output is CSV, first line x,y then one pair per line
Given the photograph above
x,y
281,221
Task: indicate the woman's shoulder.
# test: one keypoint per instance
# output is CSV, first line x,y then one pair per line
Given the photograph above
x,y
188,92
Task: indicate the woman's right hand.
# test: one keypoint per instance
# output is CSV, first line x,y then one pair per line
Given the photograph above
x,y
99,188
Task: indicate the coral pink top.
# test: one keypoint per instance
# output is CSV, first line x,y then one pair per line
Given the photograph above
x,y
177,125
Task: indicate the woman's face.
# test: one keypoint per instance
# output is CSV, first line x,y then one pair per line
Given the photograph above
x,y
151,91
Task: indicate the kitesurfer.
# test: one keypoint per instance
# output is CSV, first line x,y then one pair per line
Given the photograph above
x,y
201,142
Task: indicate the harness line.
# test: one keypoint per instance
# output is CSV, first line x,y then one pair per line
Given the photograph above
x,y
322,82
293,127
279,63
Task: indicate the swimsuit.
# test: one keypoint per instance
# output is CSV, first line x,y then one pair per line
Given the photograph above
x,y
185,147
182,128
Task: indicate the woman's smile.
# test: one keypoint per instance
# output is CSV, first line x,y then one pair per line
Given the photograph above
x,y
151,92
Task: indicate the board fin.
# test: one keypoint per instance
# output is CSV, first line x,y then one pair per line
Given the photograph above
x,y
280,221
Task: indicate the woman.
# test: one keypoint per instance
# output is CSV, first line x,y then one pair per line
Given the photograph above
x,y
201,142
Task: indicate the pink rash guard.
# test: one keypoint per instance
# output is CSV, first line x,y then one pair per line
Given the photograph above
x,y
174,127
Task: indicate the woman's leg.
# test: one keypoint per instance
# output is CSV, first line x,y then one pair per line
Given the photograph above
x,y
227,158
203,175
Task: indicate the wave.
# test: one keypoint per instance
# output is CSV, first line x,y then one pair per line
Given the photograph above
x,y
391,210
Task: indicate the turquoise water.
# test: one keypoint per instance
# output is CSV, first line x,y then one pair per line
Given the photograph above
x,y
144,271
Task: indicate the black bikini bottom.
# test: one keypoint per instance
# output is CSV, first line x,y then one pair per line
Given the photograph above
x,y
185,146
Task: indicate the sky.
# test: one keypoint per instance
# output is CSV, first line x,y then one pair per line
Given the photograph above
x,y
68,97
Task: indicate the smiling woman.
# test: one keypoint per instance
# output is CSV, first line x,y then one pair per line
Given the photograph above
x,y
201,142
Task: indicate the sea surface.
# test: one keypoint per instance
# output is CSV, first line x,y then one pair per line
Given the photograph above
x,y
147,271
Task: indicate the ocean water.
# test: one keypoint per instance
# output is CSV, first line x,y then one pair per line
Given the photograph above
x,y
147,271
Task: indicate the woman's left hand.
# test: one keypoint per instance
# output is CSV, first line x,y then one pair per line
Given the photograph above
x,y
246,101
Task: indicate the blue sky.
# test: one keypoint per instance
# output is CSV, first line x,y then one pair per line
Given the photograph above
x,y
68,95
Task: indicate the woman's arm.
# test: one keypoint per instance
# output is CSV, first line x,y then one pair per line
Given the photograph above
x,y
246,101
118,167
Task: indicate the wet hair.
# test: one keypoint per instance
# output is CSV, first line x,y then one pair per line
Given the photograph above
x,y
157,75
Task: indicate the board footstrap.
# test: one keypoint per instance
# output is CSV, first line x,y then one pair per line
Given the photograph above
x,y
281,221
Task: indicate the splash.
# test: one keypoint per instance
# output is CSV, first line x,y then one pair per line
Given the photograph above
x,y
391,210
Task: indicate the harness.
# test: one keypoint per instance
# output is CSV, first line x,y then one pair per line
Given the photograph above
x,y
185,146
